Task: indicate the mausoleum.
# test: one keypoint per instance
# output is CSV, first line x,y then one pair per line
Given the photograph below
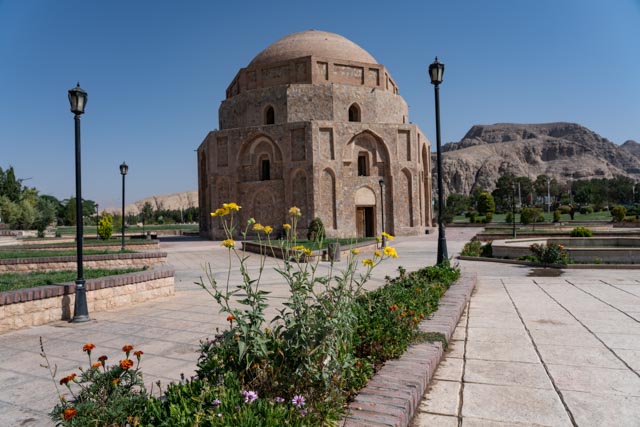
x,y
314,121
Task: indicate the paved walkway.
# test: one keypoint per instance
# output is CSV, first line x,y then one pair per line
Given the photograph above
x,y
169,331
543,351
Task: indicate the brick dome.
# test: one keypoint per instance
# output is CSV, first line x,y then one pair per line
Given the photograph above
x,y
313,43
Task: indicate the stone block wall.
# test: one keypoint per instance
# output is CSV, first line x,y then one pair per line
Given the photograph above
x,y
108,261
37,306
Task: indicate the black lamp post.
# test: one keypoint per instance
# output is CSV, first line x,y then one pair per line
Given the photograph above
x,y
78,100
97,220
381,182
123,171
513,207
436,70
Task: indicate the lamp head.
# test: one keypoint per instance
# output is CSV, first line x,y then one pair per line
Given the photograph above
x,y
124,168
77,99
436,70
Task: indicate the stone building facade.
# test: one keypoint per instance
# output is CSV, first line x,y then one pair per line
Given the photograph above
x,y
315,122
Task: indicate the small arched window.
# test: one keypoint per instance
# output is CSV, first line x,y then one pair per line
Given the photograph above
x,y
265,169
269,116
354,113
363,164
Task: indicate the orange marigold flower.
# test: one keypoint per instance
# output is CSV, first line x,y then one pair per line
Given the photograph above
x,y
231,318
127,348
415,320
102,358
88,347
67,379
422,315
126,364
96,364
69,413
115,381
138,353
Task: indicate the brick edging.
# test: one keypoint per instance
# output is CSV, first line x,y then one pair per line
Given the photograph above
x,y
56,290
393,394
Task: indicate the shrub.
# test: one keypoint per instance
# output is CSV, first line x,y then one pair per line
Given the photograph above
x,y
487,250
509,217
316,230
565,210
486,203
472,216
472,248
581,232
618,213
488,217
549,254
105,226
529,215
586,210
556,215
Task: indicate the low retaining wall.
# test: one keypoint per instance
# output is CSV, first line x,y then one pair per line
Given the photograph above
x,y
278,252
142,245
110,261
36,306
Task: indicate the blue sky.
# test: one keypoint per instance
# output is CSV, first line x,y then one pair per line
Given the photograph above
x,y
156,72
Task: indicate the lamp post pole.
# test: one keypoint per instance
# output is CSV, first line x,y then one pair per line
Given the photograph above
x,y
78,100
548,195
436,70
384,239
97,220
513,208
123,171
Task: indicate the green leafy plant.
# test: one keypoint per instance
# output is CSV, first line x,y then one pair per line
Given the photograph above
x,y
316,230
508,218
101,394
472,248
581,232
618,213
486,203
105,226
549,254
556,215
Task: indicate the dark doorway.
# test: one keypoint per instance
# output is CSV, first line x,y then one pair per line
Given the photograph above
x,y
365,221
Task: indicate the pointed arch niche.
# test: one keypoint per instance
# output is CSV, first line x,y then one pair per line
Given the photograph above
x,y
327,206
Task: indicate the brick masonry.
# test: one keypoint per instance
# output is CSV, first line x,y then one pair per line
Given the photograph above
x,y
392,396
37,306
110,261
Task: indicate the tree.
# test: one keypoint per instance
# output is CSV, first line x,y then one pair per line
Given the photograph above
x,y
486,203
10,187
503,193
146,213
45,214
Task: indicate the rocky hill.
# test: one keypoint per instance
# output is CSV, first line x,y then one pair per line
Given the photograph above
x,y
565,151
173,201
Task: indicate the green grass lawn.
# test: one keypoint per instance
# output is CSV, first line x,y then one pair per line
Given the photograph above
x,y
36,253
90,230
11,281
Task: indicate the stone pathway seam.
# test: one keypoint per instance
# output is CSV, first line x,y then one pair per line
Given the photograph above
x,y
605,302
535,347
588,329
464,364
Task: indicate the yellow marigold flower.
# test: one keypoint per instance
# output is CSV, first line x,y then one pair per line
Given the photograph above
x,y
258,227
268,229
220,212
295,211
229,243
355,251
298,248
115,381
387,236
286,227
307,252
377,254
231,206
367,262
378,239
389,251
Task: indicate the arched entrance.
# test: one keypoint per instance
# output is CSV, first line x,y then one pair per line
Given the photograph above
x,y
365,212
